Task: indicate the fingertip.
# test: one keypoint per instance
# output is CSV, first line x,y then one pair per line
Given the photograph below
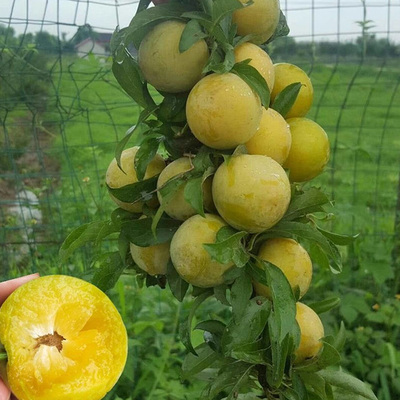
x,y
5,393
7,287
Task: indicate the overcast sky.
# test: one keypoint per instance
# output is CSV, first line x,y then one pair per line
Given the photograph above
x,y
323,19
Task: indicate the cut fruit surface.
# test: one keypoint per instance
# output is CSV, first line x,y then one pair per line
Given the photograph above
x,y
64,340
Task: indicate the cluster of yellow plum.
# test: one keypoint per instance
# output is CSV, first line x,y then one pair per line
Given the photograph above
x,y
250,192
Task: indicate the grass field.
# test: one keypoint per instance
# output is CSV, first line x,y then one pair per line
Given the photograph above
x,y
359,107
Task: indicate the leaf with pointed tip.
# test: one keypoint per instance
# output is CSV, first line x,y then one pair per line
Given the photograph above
x,y
286,98
340,240
147,150
254,79
91,232
349,383
144,21
143,4
123,142
326,305
135,192
111,268
228,247
281,293
128,74
281,30
241,291
140,232
177,285
305,203
340,338
228,378
194,364
249,328
185,329
192,33
327,357
222,8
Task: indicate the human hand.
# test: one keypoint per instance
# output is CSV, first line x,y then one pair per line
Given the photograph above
x,y
6,288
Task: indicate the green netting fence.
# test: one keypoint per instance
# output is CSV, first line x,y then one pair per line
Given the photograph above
x,y
62,112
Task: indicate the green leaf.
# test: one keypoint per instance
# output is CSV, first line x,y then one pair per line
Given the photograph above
x,y
347,382
240,382
193,364
117,43
228,247
340,338
91,232
281,30
147,150
290,394
177,285
252,353
281,292
342,394
318,256
202,161
228,378
213,331
223,8
185,329
198,16
172,108
128,75
254,79
327,357
139,191
220,294
323,306
241,291
144,21
123,246
140,232
192,33
193,194
299,386
280,351
305,203
286,98
240,150
249,328
213,326
232,274
143,4
316,382
111,268
340,240
123,142
215,61
168,191
119,215
247,396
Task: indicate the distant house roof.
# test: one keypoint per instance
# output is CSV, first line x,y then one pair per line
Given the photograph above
x,y
102,39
